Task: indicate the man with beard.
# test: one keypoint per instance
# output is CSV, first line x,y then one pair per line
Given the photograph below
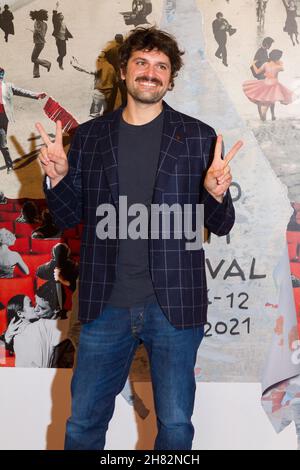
x,y
132,290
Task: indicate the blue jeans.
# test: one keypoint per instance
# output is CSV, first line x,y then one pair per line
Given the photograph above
x,y
106,349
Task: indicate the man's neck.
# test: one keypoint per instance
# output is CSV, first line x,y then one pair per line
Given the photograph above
x,y
138,114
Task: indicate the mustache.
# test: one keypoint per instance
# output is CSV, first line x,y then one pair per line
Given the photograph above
x,y
149,79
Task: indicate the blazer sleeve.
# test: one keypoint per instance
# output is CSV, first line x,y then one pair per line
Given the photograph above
x,y
218,217
65,199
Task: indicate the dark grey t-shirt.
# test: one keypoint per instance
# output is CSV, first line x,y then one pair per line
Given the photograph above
x,y
138,155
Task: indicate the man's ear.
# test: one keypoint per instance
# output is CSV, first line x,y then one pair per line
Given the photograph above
x,y
123,72
20,314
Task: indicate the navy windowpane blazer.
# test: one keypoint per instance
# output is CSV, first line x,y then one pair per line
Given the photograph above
x,y
178,275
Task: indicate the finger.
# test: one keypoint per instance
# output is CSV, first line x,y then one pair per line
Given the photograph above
x,y
226,174
43,133
217,174
233,152
59,135
55,158
43,156
226,170
226,181
218,148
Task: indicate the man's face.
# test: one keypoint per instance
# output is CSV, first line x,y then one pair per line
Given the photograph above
x,y
148,76
28,312
42,308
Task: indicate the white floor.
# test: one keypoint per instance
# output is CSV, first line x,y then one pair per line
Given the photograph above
x,y
227,416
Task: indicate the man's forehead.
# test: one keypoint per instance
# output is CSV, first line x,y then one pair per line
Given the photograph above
x,y
154,54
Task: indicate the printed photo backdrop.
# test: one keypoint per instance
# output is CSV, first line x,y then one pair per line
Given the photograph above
x,y
241,76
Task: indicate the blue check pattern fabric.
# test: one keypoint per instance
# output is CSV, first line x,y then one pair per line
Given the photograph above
x,y
178,275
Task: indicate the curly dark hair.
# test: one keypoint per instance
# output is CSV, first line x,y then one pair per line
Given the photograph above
x,y
41,15
141,38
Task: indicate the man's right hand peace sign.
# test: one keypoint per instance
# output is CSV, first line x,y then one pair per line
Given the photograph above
x,y
52,155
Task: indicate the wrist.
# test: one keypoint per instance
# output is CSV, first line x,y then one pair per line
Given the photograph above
x,y
219,198
55,181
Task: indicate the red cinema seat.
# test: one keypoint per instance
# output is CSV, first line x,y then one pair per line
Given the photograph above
x,y
33,262
8,225
18,205
8,216
9,360
79,230
22,245
43,246
24,230
74,244
70,233
9,207
16,286
40,282
3,323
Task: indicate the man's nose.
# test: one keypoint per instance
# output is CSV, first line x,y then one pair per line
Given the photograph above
x,y
151,71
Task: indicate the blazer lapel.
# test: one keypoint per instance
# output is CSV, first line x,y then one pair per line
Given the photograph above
x,y
109,151
172,145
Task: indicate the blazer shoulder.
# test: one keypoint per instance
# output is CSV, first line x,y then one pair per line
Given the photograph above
x,y
93,127
194,126
90,128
